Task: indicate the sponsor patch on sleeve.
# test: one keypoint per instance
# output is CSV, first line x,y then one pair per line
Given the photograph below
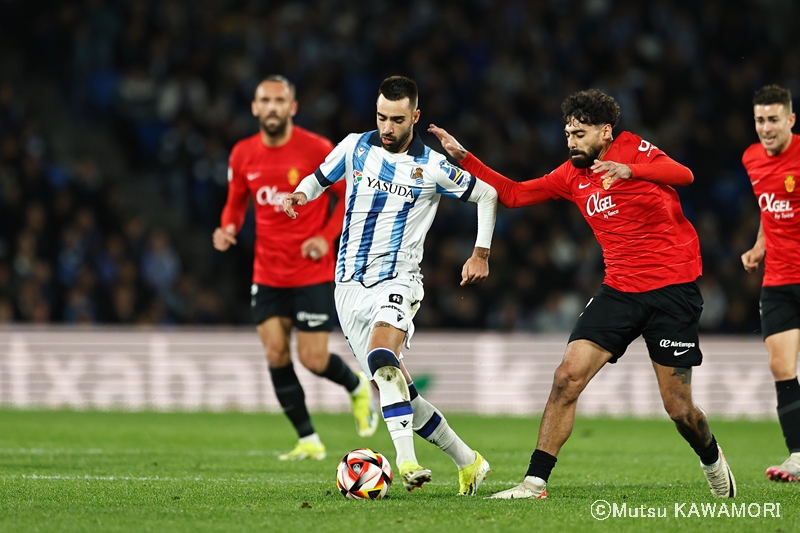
x,y
455,174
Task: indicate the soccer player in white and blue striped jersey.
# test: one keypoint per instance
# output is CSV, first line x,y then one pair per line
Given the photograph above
x,y
394,183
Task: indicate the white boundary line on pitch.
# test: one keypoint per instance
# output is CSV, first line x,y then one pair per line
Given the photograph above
x,y
99,451
61,477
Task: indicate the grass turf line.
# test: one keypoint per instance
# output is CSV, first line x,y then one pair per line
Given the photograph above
x,y
105,471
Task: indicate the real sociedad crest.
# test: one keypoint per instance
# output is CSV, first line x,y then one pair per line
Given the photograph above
x,y
789,183
417,176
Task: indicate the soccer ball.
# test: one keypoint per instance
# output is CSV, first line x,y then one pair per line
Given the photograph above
x,y
364,475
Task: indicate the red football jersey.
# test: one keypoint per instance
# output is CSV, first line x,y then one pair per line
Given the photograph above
x,y
268,175
774,180
647,242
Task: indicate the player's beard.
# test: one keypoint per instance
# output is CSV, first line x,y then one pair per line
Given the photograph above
x,y
274,129
396,143
585,159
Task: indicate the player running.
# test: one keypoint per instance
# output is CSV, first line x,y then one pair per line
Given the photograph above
x,y
394,183
623,187
293,269
773,165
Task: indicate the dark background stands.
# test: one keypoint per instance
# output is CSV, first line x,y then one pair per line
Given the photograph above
x,y
117,118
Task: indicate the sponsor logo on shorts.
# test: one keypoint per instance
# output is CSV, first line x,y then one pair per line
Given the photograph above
x,y
396,299
400,314
666,343
313,319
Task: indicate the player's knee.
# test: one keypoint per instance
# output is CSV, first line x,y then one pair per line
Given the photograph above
x,y
277,356
681,412
567,383
314,360
781,370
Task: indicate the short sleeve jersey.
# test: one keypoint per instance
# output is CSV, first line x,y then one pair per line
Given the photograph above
x,y
775,184
267,175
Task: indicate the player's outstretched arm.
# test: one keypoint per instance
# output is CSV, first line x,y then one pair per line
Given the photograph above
x,y
224,238
752,257
510,193
477,267
291,200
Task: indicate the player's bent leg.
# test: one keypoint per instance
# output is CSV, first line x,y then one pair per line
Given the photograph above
x,y
274,333
582,361
312,348
783,348
398,414
385,341
431,425
676,393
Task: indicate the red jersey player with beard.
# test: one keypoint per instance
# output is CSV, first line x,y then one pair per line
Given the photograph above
x,y
623,188
773,165
294,265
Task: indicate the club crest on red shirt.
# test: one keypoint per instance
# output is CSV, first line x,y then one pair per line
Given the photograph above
x,y
789,183
293,176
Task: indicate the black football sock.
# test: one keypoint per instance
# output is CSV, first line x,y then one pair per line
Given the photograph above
x,y
340,373
789,412
710,454
292,398
541,464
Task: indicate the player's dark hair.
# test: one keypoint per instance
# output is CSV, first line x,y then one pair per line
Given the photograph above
x,y
592,107
396,88
280,79
773,94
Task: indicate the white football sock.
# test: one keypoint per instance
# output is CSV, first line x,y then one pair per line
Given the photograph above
x,y
396,409
431,425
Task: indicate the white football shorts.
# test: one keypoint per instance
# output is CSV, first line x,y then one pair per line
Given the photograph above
x,y
359,308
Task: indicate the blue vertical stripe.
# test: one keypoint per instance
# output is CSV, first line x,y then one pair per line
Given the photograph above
x,y
358,165
396,240
334,175
368,233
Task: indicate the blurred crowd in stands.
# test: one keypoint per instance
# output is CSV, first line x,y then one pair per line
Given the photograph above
x,y
173,81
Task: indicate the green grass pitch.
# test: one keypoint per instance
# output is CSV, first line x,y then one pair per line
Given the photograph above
x,y
106,471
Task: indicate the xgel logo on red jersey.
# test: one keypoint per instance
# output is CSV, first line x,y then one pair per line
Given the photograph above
x,y
271,196
595,205
780,208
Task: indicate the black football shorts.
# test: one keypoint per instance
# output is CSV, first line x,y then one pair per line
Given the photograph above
x,y
309,307
779,307
667,318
